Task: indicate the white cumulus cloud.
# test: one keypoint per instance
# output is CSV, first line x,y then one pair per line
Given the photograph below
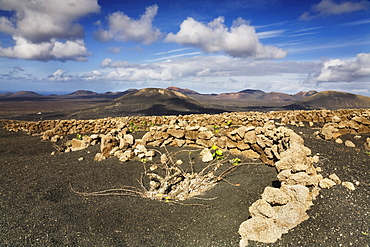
x,y
51,50
337,70
60,75
124,28
240,40
329,7
38,25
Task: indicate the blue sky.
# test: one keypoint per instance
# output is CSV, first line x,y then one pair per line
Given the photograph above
x,y
53,46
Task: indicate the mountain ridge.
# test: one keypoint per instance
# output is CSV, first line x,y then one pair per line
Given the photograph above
x,y
175,100
149,101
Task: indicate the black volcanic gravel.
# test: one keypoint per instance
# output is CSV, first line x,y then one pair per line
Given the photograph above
x,y
38,207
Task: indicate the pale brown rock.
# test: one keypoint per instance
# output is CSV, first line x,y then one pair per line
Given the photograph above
x,y
363,129
107,144
250,154
241,131
250,137
48,134
242,146
261,208
327,132
336,135
55,138
301,178
206,155
77,144
339,141
259,229
205,135
362,120
275,196
160,135
148,136
367,143
191,134
349,185
289,216
140,149
230,144
99,157
125,156
129,139
336,119
300,193
335,178
353,124
350,144
326,183
178,143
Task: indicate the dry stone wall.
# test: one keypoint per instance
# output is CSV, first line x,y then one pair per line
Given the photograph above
x,y
352,124
343,121
317,116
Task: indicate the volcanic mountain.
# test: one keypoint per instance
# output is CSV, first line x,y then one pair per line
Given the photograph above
x,y
331,100
149,101
22,95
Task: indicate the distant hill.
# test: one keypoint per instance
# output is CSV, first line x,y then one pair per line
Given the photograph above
x,y
149,101
22,95
25,94
331,100
251,99
6,94
118,94
252,91
83,93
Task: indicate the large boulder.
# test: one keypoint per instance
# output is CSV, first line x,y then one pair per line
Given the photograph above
x,y
259,229
77,144
107,144
327,132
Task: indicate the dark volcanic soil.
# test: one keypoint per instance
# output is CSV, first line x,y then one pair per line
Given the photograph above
x,y
38,207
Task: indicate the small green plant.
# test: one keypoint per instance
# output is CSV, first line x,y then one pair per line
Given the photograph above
x,y
218,153
236,161
143,160
146,125
132,127
79,136
229,123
